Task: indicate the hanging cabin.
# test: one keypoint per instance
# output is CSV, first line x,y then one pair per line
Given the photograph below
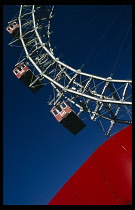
x,y
25,75
13,29
67,117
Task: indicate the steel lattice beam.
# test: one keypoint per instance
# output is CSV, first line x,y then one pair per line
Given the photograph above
x,y
108,94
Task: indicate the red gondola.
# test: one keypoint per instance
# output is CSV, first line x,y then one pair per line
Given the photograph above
x,y
20,70
67,117
23,73
12,27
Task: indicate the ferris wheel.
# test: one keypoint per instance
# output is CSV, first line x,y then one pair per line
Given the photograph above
x,y
103,99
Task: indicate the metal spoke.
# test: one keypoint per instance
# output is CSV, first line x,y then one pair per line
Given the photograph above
x,y
102,98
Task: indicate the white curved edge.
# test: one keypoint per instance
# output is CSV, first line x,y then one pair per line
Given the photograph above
x,y
69,67
56,83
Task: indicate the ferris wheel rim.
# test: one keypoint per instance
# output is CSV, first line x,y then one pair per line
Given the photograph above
x,y
78,71
99,98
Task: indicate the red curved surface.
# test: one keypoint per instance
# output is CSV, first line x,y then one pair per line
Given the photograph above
x,y
105,178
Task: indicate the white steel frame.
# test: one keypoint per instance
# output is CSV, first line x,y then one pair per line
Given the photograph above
x,y
113,93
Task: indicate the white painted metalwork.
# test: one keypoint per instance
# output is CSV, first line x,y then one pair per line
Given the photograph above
x,y
103,100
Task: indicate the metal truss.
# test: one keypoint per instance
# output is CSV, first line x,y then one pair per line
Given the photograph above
x,y
102,98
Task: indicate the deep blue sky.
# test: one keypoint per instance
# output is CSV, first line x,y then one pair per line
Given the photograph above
x,y
39,155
